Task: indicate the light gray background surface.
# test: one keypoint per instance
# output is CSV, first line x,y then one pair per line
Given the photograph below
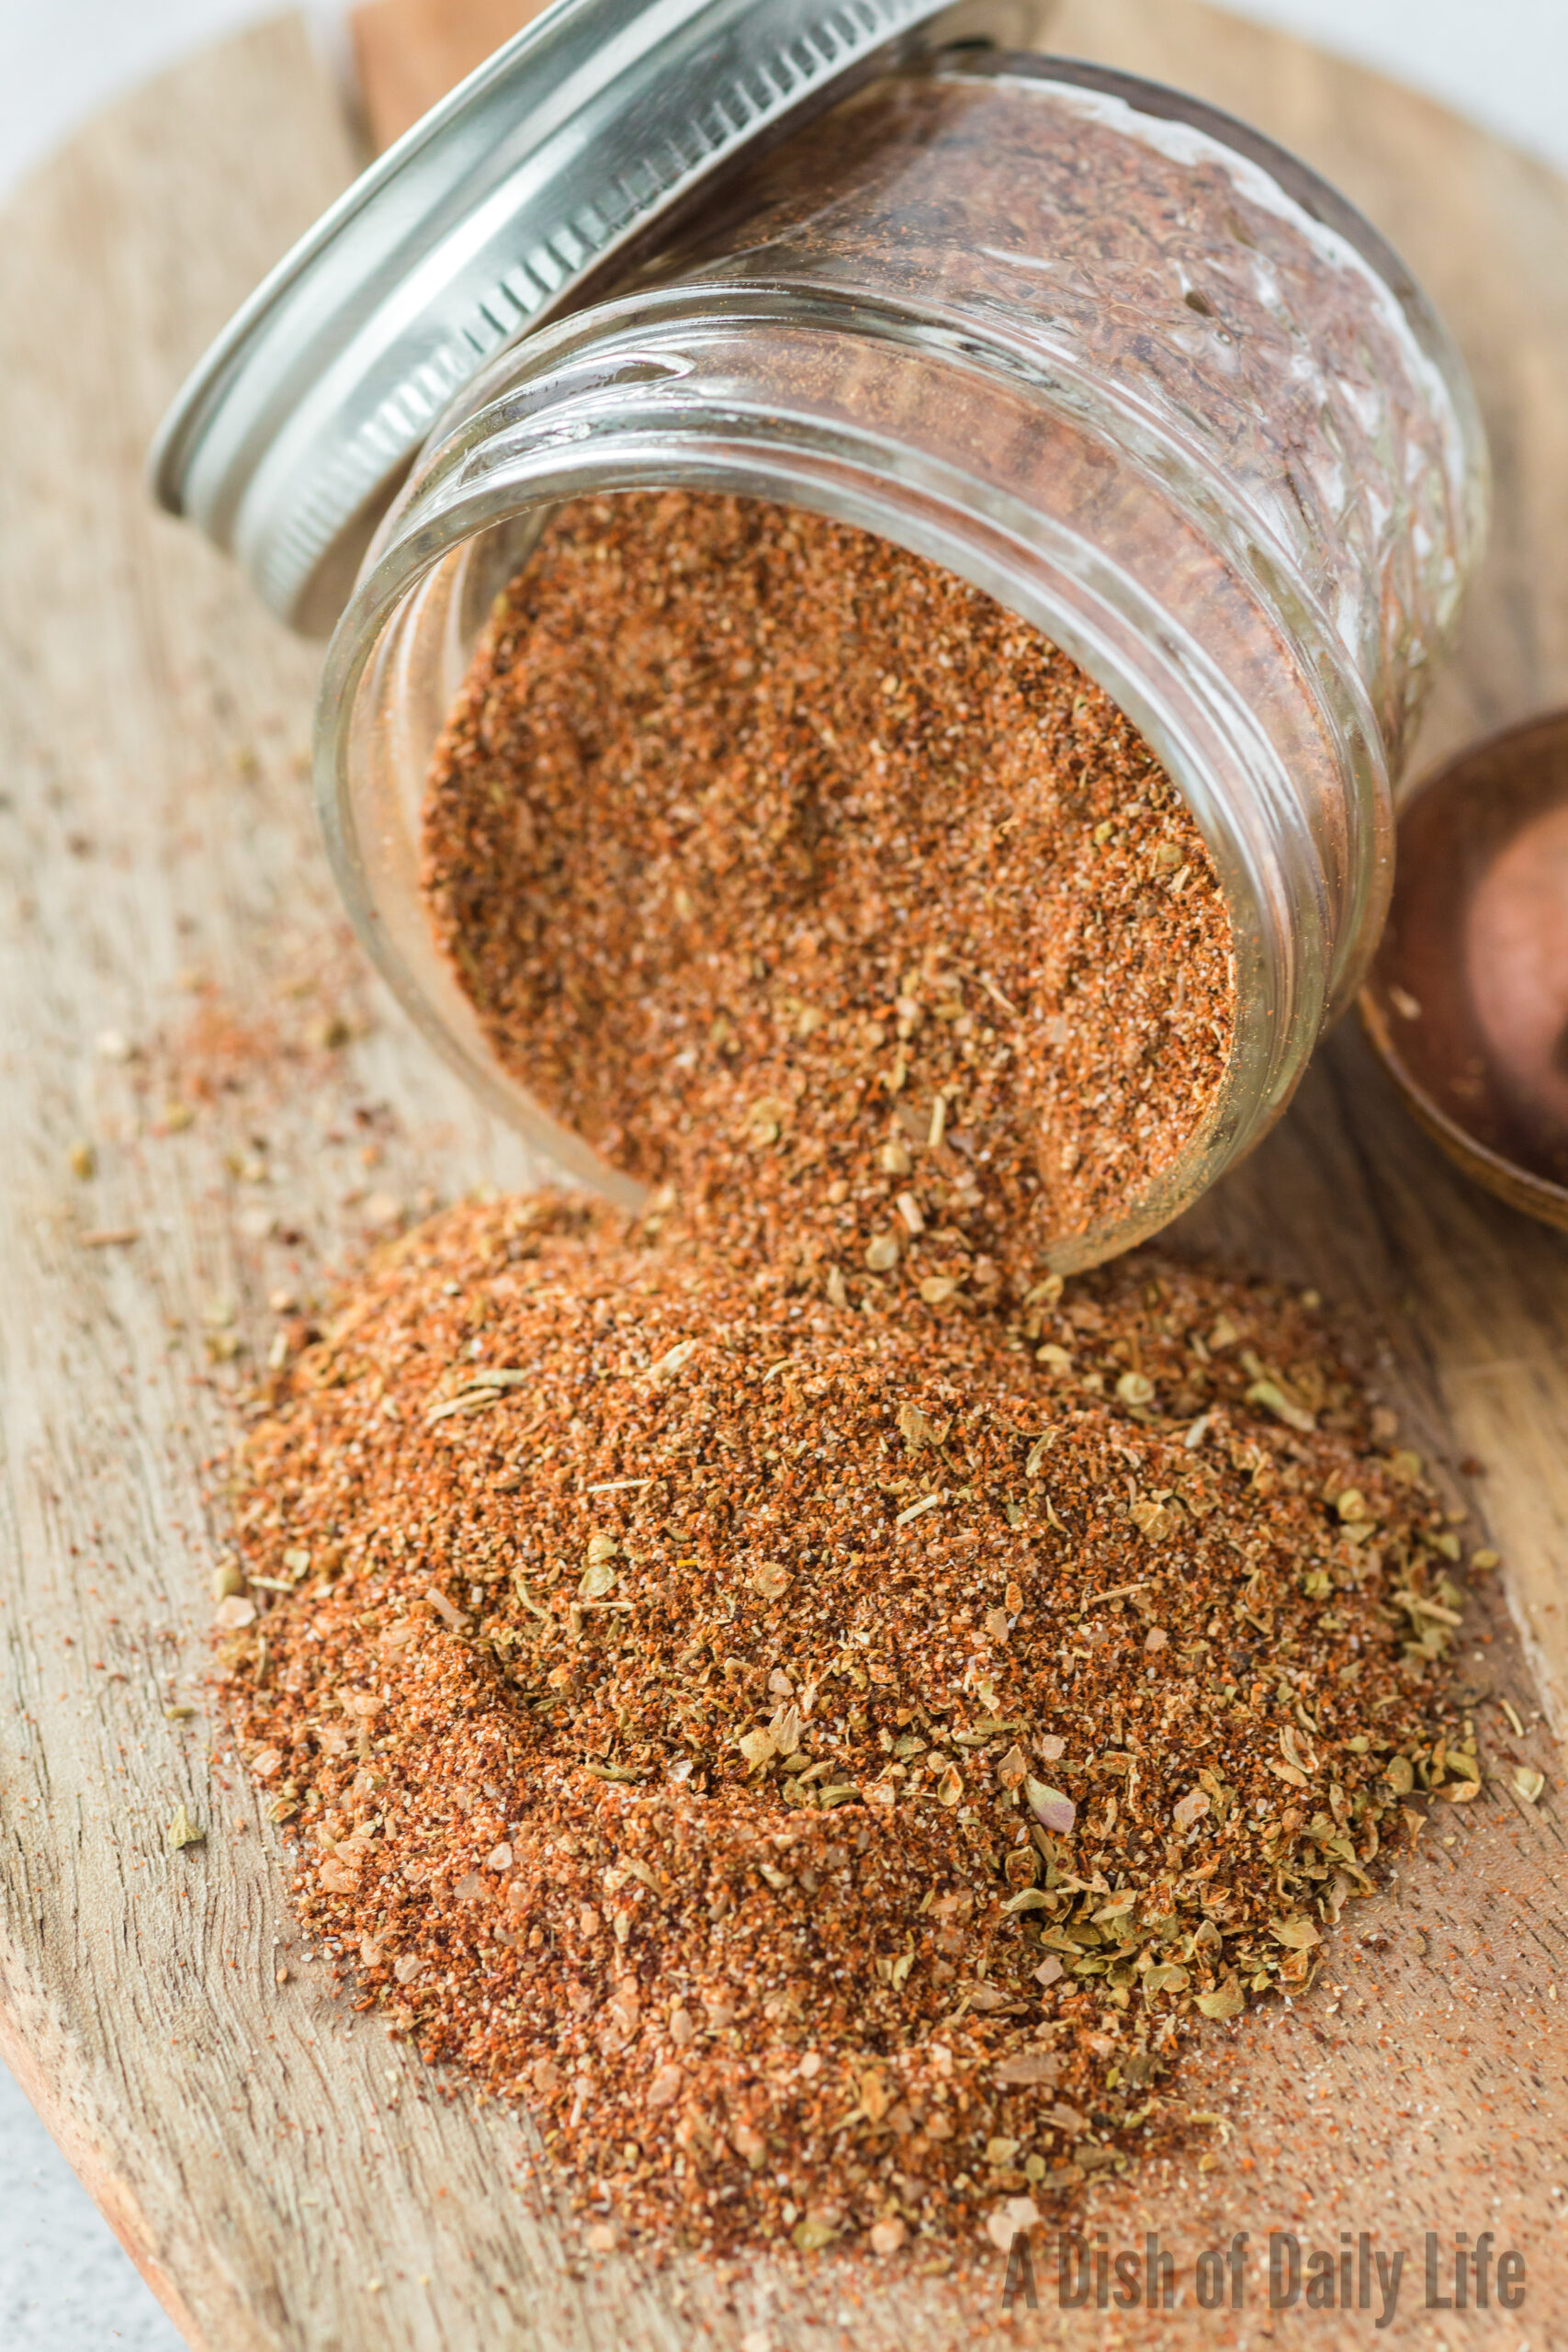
x,y
64,2284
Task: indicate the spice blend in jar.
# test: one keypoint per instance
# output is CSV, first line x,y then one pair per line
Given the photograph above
x,y
776,859
828,1763
1188,280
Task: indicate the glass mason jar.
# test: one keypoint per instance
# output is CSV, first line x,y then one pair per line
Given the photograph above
x,y
1105,354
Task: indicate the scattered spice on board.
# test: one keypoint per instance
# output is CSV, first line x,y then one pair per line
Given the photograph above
x,y
780,863
828,1765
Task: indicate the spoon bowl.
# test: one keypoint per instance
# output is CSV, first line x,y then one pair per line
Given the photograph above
x,y
1467,1000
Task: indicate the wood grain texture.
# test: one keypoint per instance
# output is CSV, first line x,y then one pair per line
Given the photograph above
x,y
286,2177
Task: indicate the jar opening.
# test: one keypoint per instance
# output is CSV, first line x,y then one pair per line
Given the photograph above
x,y
430,645
776,858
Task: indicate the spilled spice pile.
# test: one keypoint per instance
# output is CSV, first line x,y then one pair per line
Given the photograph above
x,y
827,1764
775,860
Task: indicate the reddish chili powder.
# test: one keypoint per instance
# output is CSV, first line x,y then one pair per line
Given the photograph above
x,y
827,1763
776,860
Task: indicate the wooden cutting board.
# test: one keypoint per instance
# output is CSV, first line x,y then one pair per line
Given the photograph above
x,y
179,995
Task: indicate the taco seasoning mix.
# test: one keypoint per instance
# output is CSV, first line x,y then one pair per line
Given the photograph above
x,y
770,1675
827,1762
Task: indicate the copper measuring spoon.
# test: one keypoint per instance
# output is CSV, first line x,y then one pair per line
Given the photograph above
x,y
1467,1000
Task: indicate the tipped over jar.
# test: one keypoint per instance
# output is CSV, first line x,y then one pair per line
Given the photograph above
x,y
1087,483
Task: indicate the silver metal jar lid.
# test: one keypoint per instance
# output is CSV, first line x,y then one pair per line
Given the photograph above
x,y
290,438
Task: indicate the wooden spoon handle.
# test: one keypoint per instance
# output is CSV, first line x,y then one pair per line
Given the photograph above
x,y
411,53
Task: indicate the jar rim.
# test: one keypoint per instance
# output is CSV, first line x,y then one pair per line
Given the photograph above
x,y
1280,923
